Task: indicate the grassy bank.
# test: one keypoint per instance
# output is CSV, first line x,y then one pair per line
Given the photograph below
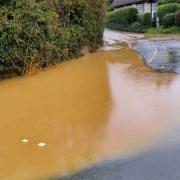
x,y
162,30
37,33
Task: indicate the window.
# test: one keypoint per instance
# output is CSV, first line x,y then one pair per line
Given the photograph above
x,y
140,8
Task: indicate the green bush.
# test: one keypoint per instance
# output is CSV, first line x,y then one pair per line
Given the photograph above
x,y
177,18
3,2
72,12
160,2
109,5
122,18
24,31
145,19
109,2
136,27
110,8
95,22
169,20
36,33
167,9
87,13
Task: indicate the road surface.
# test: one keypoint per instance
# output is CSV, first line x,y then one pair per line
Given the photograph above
x,y
159,165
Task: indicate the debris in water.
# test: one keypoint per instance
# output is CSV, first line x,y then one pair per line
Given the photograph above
x,y
25,140
42,144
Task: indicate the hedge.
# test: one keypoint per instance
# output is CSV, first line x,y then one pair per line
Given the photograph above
x,y
37,33
167,9
109,5
145,19
136,27
177,18
122,18
169,20
161,2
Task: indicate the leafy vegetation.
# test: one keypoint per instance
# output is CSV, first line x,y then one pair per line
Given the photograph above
x,y
169,20
37,33
167,9
168,13
163,30
109,7
177,18
161,2
128,19
136,27
145,19
122,18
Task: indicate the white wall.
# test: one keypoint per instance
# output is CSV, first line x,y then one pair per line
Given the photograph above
x,y
147,7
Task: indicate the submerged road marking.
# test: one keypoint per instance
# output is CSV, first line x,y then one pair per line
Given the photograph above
x,y
154,55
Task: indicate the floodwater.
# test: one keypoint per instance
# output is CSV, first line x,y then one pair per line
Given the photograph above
x,y
101,106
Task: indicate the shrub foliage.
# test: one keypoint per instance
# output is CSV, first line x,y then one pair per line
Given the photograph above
x,y
136,27
167,9
177,18
122,18
169,20
161,2
128,19
36,33
145,19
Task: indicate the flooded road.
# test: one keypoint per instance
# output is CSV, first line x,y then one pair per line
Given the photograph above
x,y
161,53
104,105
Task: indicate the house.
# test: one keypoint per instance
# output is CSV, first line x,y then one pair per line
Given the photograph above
x,y
143,6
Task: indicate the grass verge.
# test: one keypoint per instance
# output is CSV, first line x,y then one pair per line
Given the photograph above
x,y
162,30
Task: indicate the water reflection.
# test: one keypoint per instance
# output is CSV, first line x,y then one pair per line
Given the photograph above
x,y
103,105
142,110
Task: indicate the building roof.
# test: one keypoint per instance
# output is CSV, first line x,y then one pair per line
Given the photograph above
x,y
119,3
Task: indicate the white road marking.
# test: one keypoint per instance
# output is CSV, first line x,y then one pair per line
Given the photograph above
x,y
154,55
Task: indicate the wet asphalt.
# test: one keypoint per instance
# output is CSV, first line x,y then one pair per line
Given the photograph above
x,y
161,55
159,165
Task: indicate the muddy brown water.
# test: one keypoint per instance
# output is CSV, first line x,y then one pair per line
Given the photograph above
x,y
103,105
